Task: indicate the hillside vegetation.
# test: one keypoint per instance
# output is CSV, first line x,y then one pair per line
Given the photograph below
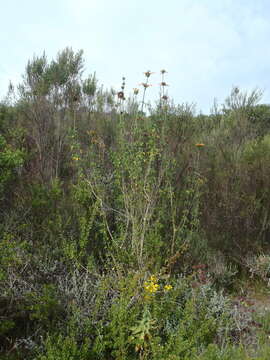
x,y
129,230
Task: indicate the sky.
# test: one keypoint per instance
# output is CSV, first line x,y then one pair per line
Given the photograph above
x,y
207,46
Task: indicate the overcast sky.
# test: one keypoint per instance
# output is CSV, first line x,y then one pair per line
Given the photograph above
x,y
207,46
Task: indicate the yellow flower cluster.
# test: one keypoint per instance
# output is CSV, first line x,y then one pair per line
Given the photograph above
x,y
151,285
168,287
75,158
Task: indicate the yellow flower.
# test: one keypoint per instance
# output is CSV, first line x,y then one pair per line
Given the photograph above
x,y
146,285
75,158
155,287
151,286
200,145
168,287
153,278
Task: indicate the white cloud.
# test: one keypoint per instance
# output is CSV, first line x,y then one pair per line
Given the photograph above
x,y
207,46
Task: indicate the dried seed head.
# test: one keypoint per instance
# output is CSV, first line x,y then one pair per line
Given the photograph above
x,y
165,97
148,73
145,85
120,95
136,91
163,83
163,71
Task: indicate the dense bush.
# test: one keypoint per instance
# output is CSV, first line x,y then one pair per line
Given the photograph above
x,y
125,228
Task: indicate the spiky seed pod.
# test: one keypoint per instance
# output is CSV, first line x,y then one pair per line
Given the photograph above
x,y
145,85
148,73
121,95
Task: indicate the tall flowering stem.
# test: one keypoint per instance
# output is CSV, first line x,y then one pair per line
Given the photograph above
x,y
163,84
145,86
121,95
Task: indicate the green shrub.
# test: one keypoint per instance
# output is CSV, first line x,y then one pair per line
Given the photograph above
x,y
10,160
64,348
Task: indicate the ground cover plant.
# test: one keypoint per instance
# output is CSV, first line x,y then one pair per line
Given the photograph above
x,y
131,230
